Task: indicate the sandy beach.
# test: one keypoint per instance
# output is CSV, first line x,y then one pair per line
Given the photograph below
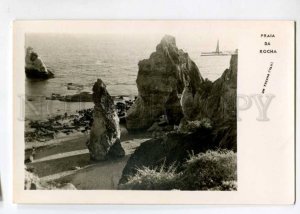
x,y
66,159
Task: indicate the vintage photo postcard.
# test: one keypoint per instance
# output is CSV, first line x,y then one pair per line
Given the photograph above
x,y
0,189
154,112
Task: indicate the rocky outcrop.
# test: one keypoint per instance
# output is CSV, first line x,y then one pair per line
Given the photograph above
x,y
50,128
74,86
169,83
79,97
214,100
34,66
160,81
209,123
170,149
105,131
32,182
174,148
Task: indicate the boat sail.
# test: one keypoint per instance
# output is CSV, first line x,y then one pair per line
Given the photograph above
x,y
216,53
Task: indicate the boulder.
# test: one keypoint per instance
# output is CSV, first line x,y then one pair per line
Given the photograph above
x,y
34,66
80,97
74,86
84,96
116,150
160,81
105,131
33,182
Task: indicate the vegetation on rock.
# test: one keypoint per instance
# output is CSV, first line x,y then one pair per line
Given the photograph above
x,y
213,170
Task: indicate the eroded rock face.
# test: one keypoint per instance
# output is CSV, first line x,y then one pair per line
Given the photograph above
x,y
209,123
213,100
160,81
105,131
226,87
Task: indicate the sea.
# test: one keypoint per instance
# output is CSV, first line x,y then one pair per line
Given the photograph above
x,y
82,58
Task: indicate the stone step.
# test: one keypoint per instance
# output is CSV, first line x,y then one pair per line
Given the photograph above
x,y
58,163
58,147
103,175
57,176
61,155
77,135
68,161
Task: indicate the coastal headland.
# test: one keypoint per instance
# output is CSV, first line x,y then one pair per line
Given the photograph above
x,y
178,119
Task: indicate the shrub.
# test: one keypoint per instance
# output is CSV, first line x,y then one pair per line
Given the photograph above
x,y
213,170
152,179
195,125
226,134
210,170
206,88
226,186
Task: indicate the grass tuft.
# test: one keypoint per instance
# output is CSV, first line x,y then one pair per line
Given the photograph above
x,y
213,170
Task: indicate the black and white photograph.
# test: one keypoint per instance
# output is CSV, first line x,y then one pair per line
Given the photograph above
x,y
153,112
131,110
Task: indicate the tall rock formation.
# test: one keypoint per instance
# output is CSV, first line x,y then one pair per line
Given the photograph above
x,y
160,81
216,101
104,139
209,123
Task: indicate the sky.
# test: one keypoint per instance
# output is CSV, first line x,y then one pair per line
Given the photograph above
x,y
204,34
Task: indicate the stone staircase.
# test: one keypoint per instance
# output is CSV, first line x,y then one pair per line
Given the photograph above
x,y
68,161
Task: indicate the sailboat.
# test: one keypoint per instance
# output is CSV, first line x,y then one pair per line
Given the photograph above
x,y
216,53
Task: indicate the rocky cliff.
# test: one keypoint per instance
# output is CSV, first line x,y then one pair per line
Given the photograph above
x,y
214,100
105,132
160,81
209,109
